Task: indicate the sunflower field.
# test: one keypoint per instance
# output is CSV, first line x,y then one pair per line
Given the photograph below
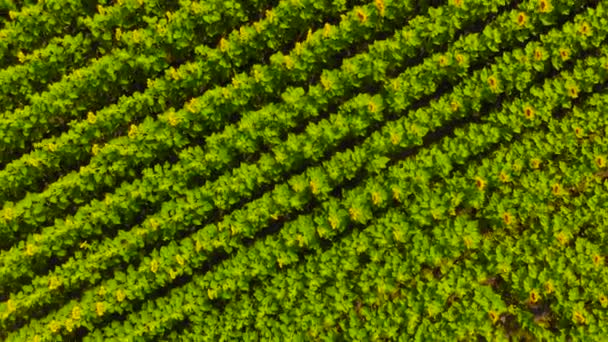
x,y
303,170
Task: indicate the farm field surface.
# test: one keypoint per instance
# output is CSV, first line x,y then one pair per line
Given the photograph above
x,y
303,170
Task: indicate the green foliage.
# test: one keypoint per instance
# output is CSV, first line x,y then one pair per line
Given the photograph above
x,y
303,170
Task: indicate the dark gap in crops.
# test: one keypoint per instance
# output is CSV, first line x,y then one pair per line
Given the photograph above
x,y
258,12
561,112
180,326
452,299
591,231
507,321
540,311
437,275
15,5
599,88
